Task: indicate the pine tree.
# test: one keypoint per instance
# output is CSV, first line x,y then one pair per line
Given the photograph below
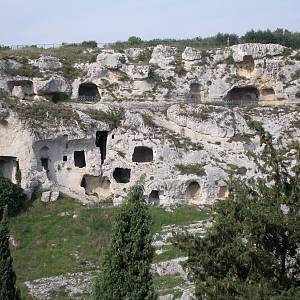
x,y
252,249
8,289
125,271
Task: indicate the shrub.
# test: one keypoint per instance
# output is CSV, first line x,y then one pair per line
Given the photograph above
x,y
296,75
134,41
11,196
195,169
298,94
89,44
25,70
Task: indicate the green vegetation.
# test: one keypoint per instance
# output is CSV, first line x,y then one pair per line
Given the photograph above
x,y
42,252
8,289
195,169
26,70
296,75
113,117
125,272
11,196
251,251
279,36
45,115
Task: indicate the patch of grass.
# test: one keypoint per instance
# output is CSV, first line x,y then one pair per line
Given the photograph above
x,y
51,242
192,169
171,252
181,216
113,117
25,70
167,282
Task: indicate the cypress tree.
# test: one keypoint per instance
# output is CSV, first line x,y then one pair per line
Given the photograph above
x,y
8,289
125,270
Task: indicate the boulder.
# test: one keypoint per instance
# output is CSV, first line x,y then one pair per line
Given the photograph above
x,y
54,84
163,56
50,196
111,60
138,72
136,53
256,50
47,63
191,54
187,295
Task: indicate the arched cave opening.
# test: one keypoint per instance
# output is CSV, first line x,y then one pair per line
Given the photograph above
x,y
122,175
247,64
20,88
194,94
79,159
193,192
8,167
268,94
101,141
142,154
242,95
96,185
57,97
44,157
88,91
153,197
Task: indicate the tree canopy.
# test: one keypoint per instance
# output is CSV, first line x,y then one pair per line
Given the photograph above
x,y
252,249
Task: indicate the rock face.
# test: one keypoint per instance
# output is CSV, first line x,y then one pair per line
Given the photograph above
x,y
183,147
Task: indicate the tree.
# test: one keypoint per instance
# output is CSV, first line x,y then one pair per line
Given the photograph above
x,y
134,41
8,290
11,196
125,271
252,249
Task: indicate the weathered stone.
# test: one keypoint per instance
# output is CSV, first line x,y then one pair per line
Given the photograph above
x,y
163,56
111,60
47,63
138,72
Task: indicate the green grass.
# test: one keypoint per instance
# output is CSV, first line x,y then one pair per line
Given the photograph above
x,y
170,252
47,241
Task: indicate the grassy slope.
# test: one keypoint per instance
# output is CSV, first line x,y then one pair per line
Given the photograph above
x,y
50,244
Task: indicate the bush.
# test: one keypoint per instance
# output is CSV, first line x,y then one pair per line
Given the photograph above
x,y
134,41
12,196
89,44
25,70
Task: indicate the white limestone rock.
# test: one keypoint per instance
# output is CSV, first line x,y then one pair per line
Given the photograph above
x,y
136,72
111,60
256,50
191,54
163,56
47,63
52,85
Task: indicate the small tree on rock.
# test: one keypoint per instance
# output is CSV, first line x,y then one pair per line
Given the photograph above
x,y
8,290
125,270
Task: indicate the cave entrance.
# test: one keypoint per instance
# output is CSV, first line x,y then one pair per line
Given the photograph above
x,y
79,159
193,193
122,175
57,97
88,91
223,192
96,185
20,88
246,67
194,94
142,154
8,167
101,142
242,96
44,157
268,94
153,197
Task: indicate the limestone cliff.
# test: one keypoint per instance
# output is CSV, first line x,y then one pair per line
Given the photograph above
x,y
177,119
